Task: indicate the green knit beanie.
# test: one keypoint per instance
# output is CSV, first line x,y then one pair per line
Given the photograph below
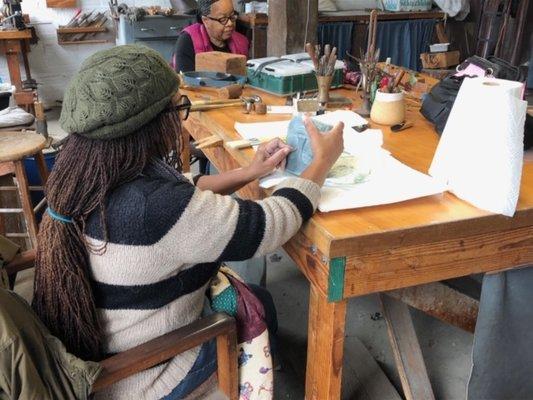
x,y
116,91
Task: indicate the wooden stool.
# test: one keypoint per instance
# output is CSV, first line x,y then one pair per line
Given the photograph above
x,y
14,147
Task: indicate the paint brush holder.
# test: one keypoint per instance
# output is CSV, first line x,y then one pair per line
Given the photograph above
x,y
324,85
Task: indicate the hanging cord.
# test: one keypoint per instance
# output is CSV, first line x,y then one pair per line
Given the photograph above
x,y
307,22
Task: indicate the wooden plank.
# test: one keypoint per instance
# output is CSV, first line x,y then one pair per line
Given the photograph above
x,y
42,167
25,200
325,347
220,156
7,168
417,264
441,33
15,34
259,42
228,375
364,16
25,97
13,65
10,199
290,24
251,20
61,3
442,302
162,349
311,262
406,349
61,42
363,378
81,29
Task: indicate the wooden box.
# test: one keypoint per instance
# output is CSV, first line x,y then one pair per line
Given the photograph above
x,y
217,61
440,60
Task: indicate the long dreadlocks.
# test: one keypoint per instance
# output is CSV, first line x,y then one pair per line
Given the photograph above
x,y
86,171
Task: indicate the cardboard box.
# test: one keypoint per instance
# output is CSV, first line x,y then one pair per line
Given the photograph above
x,y
440,60
218,61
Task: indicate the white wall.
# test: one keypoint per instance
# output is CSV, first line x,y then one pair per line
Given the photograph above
x,y
53,65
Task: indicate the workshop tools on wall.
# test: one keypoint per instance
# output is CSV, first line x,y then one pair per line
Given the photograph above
x,y
82,28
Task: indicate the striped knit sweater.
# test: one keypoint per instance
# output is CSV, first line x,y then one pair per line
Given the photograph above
x,y
166,240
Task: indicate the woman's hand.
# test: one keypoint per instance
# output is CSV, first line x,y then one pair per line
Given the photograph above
x,y
327,147
268,157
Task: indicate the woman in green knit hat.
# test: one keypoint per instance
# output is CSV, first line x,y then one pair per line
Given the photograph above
x,y
128,245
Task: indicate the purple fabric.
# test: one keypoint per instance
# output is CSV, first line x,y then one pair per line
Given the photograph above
x,y
237,44
250,312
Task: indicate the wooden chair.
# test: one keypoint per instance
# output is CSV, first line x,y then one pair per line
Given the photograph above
x,y
165,347
15,146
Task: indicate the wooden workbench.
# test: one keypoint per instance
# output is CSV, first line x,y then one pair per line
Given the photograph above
x,y
350,253
13,44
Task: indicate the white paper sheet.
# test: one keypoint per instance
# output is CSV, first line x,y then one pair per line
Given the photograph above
x,y
391,181
265,130
262,130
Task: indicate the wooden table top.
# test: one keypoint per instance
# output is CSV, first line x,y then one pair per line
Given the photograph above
x,y
414,222
14,34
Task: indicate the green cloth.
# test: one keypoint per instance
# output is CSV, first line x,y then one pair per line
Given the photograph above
x,y
33,363
117,91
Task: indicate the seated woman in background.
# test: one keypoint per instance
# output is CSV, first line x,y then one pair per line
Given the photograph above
x,y
215,31
128,245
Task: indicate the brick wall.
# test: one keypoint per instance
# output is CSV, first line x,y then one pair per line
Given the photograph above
x,y
53,65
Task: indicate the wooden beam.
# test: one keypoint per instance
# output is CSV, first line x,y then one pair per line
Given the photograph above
x,y
406,349
15,34
287,23
227,370
164,347
442,302
325,347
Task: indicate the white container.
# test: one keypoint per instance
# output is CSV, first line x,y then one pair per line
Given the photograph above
x,y
439,47
407,5
388,108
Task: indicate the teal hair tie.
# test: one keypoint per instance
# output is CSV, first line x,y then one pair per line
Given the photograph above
x,y
58,217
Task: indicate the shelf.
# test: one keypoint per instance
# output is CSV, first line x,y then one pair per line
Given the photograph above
x,y
95,41
66,34
83,29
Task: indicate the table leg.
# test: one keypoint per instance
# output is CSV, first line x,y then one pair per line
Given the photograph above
x,y
42,167
406,349
325,347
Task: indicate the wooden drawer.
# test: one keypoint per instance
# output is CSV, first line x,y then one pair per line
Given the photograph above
x,y
158,27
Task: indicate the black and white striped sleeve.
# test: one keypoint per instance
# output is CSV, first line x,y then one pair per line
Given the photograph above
x,y
213,227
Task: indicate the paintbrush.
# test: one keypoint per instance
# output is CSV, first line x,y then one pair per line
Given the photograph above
x,y
331,62
311,51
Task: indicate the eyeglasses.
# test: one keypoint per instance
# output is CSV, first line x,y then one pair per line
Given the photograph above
x,y
183,107
224,20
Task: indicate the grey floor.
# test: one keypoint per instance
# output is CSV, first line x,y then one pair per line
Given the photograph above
x,y
446,349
